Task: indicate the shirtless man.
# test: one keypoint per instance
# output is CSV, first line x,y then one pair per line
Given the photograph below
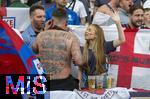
x,y
56,48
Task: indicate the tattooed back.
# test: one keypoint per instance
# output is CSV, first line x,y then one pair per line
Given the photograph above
x,y
56,49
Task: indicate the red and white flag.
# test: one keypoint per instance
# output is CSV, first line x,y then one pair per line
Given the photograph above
x,y
130,64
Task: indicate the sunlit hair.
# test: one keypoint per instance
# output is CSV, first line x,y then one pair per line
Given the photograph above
x,y
98,49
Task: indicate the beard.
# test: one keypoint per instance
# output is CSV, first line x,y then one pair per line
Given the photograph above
x,y
136,24
39,26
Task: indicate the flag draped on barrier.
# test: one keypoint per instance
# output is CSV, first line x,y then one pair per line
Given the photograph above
x,y
15,56
133,60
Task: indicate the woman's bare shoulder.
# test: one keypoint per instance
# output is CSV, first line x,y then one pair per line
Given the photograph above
x,y
104,9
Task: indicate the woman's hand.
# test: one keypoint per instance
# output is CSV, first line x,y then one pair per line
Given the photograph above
x,y
115,17
121,36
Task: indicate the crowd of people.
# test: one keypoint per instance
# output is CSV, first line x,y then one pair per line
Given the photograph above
x,y
57,47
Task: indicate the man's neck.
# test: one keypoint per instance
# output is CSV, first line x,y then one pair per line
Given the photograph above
x,y
63,27
36,30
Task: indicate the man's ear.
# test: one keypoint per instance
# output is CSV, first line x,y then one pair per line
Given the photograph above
x,y
51,22
130,16
31,18
66,23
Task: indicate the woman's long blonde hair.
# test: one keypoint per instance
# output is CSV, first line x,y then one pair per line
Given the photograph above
x,y
98,50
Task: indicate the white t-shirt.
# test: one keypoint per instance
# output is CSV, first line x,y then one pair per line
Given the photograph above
x,y
102,19
78,8
146,4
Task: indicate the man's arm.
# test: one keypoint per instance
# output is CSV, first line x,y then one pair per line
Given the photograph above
x,y
76,53
35,47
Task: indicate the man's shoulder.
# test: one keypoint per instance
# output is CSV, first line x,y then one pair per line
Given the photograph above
x,y
73,35
28,32
75,38
25,33
29,28
58,35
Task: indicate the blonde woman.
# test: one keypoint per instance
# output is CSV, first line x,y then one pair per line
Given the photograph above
x,y
96,47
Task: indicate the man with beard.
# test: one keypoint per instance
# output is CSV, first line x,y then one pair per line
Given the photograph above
x,y
37,18
136,17
124,10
